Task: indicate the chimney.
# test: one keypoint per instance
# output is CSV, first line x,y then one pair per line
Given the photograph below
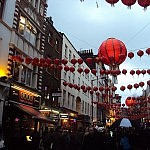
x,y
50,20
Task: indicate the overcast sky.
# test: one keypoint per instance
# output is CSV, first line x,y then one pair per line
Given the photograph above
x,y
87,26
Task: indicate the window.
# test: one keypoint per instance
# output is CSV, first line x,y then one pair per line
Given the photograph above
x,y
1,7
26,74
78,81
27,30
16,68
64,97
57,45
66,50
69,99
50,38
69,55
72,98
73,78
41,9
65,76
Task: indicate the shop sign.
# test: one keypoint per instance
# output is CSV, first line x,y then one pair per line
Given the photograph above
x,y
63,116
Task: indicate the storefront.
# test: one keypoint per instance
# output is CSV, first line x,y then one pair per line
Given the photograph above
x,y
68,119
21,117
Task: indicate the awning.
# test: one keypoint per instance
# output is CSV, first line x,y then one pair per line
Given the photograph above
x,y
33,112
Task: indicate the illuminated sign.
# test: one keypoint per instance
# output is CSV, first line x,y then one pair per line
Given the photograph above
x,y
63,116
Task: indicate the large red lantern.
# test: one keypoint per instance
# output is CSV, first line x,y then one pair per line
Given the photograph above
x,y
129,101
114,51
128,3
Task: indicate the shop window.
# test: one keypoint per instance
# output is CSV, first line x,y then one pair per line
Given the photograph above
x,y
57,45
1,7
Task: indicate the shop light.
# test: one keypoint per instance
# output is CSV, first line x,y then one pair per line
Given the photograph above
x,y
25,91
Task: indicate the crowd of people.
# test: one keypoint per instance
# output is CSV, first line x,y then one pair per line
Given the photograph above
x,y
92,138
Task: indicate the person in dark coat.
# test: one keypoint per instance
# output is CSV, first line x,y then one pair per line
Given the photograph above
x,y
93,140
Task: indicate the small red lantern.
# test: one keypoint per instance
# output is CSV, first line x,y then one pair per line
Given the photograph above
x,y
122,88
124,71
80,70
148,51
48,61
95,88
94,71
130,55
144,3
148,71
28,60
64,61
148,82
114,51
129,86
66,68
97,60
88,88
129,101
141,84
86,70
82,87
65,83
101,88
80,61
128,3
143,72
132,72
73,61
89,60
136,85
59,67
42,60
56,61
138,72
70,85
112,2
91,92
72,69
114,88
140,53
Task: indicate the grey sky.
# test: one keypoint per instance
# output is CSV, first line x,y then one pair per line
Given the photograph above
x,y
87,27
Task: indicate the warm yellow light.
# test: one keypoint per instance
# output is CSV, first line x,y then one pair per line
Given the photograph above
x,y
2,72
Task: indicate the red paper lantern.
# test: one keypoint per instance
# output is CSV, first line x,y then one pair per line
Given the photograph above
x,y
102,72
114,51
101,88
80,70
132,72
91,92
114,88
148,51
130,55
65,83
42,60
112,2
56,61
73,61
148,82
86,70
128,3
89,60
140,53
48,61
80,61
88,88
144,3
122,88
64,61
141,84
28,60
95,88
148,71
94,71
97,60
143,72
138,72
129,86
70,85
136,85
72,69
124,71
82,87
129,101
66,68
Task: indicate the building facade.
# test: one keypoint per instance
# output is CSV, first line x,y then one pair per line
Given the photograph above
x,y
22,31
